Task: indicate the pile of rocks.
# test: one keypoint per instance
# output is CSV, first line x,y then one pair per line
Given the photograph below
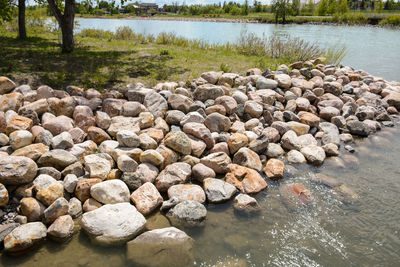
x,y
113,158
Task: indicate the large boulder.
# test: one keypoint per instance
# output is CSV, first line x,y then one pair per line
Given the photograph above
x,y
161,247
17,170
113,224
25,237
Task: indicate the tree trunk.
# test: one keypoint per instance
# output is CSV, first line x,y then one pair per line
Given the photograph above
x,y
67,27
66,22
21,19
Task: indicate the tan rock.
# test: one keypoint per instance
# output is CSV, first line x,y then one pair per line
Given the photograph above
x,y
18,123
146,198
82,189
237,141
274,169
33,151
187,192
245,179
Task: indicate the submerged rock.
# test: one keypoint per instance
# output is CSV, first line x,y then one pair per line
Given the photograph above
x,y
161,247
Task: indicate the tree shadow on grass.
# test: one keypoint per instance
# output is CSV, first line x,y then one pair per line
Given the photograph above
x,y
38,61
154,66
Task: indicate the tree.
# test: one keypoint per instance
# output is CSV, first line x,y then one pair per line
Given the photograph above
x,y
281,9
295,8
66,21
6,10
343,8
21,19
246,8
323,7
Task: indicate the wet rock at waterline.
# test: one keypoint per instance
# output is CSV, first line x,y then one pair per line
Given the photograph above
x,y
25,237
188,213
113,224
161,247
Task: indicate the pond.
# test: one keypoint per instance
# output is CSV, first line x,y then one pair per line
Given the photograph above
x,y
325,233
376,50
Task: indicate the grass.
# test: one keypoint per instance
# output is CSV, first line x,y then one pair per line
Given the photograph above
x,y
105,60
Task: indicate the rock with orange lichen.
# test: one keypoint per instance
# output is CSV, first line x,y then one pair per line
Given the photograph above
x,y
247,180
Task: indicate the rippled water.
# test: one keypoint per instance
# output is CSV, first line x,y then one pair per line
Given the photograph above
x,y
324,233
372,49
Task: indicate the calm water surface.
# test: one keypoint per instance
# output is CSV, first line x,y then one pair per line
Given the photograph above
x,y
325,233
372,49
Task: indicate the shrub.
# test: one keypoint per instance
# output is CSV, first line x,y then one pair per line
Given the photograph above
x,y
124,33
393,20
94,33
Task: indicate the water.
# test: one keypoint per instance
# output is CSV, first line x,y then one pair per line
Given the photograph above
x,y
325,233
372,49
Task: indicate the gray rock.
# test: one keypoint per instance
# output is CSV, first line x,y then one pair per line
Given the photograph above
x,y
7,228
314,154
295,157
25,237
58,208
113,224
246,203
218,162
126,163
358,128
127,138
167,246
156,104
175,173
70,182
97,166
17,170
264,83
188,213
62,141
61,229
57,158
217,190
75,207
